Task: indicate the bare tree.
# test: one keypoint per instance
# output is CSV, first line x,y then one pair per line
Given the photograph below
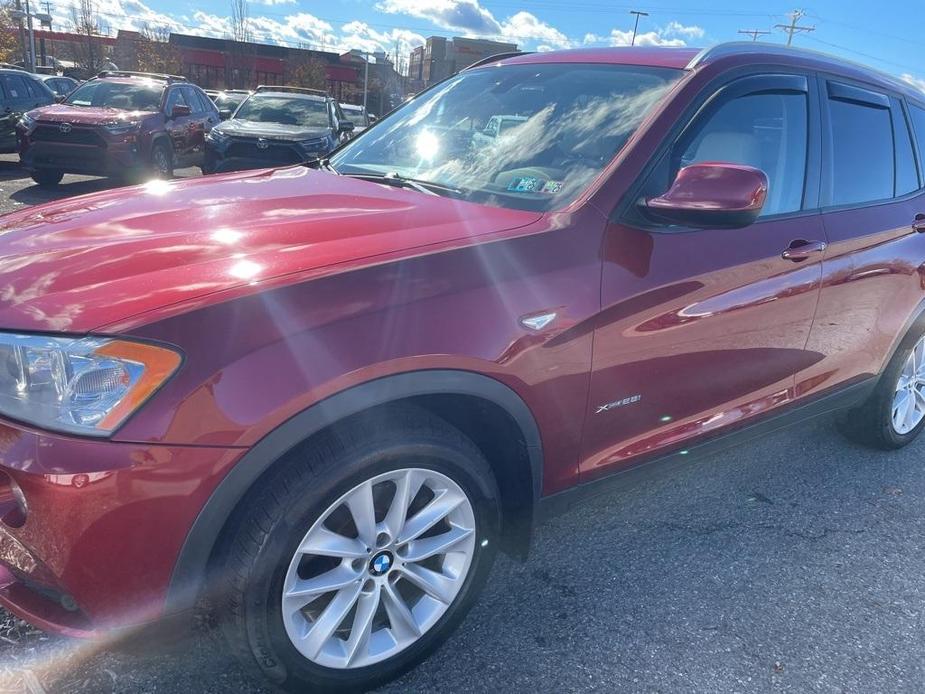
x,y
307,71
89,57
240,21
155,53
238,73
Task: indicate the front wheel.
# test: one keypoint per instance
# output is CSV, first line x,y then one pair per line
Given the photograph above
x,y
47,177
355,562
162,160
894,415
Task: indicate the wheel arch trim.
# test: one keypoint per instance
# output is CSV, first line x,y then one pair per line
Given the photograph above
x,y
190,569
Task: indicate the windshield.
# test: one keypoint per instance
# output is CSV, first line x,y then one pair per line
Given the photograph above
x,y
521,136
229,101
143,96
287,110
354,113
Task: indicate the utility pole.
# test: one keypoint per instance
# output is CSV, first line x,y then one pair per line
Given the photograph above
x,y
366,81
754,33
636,25
792,28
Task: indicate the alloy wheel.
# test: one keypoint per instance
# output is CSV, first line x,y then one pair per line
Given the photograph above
x,y
908,407
379,568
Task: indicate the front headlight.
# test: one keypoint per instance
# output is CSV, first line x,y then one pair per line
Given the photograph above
x,y
120,128
76,385
26,121
312,145
217,136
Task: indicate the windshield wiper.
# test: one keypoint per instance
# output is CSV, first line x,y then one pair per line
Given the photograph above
x,y
393,178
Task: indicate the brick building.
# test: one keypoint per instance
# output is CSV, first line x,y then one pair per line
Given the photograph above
x,y
441,57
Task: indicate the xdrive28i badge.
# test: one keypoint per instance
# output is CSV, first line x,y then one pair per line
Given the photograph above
x,y
606,407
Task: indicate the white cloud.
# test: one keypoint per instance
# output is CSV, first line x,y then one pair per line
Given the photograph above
x,y
524,27
360,35
678,29
672,34
273,3
459,15
917,82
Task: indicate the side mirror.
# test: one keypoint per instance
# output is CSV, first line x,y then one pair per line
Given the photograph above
x,y
345,126
180,110
225,113
712,195
59,98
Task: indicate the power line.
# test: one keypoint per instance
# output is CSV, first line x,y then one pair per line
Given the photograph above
x,y
754,33
793,28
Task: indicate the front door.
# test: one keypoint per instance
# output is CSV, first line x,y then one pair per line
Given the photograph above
x,y
702,329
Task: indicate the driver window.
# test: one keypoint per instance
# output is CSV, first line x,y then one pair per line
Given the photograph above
x,y
767,131
174,98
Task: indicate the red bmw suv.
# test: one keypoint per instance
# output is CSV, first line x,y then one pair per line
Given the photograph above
x,y
317,400
119,124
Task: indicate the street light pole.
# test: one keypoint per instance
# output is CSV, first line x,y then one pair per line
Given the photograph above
x,y
636,25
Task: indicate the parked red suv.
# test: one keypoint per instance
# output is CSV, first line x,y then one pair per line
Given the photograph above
x,y
318,400
121,124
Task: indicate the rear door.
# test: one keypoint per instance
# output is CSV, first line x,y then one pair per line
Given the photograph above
x,y
181,128
873,273
200,124
702,329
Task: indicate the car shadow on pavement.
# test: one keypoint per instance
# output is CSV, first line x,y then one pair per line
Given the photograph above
x,y
11,171
36,194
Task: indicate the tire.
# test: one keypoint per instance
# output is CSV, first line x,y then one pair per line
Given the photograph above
x,y
314,492
162,160
47,177
880,421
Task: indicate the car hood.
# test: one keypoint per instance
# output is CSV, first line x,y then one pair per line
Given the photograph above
x,y
274,131
110,258
85,115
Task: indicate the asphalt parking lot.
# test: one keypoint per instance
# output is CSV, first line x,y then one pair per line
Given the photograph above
x,y
792,564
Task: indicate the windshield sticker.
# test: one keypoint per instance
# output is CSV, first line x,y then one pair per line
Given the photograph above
x,y
552,187
525,184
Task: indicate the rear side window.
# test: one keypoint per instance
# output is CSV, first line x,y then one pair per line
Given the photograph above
x,y
767,131
862,152
907,175
15,87
917,115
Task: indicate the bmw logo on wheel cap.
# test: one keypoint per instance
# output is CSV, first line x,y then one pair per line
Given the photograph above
x,y
380,564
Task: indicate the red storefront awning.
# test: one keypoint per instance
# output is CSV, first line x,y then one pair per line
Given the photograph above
x,y
341,73
199,57
273,65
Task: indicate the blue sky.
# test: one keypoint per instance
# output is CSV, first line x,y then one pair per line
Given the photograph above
x,y
886,39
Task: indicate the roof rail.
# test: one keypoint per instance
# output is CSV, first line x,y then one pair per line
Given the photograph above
x,y
294,90
732,48
495,58
146,75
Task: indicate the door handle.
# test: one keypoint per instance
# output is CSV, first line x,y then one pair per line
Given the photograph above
x,y
800,250
919,223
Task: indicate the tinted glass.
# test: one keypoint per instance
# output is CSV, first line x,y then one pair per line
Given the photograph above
x,y
766,131
576,118
15,87
907,178
127,96
917,115
287,110
862,152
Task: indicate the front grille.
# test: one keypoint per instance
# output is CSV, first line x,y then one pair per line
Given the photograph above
x,y
274,152
75,136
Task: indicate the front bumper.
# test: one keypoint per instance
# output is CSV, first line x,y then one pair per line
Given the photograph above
x,y
83,150
104,525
